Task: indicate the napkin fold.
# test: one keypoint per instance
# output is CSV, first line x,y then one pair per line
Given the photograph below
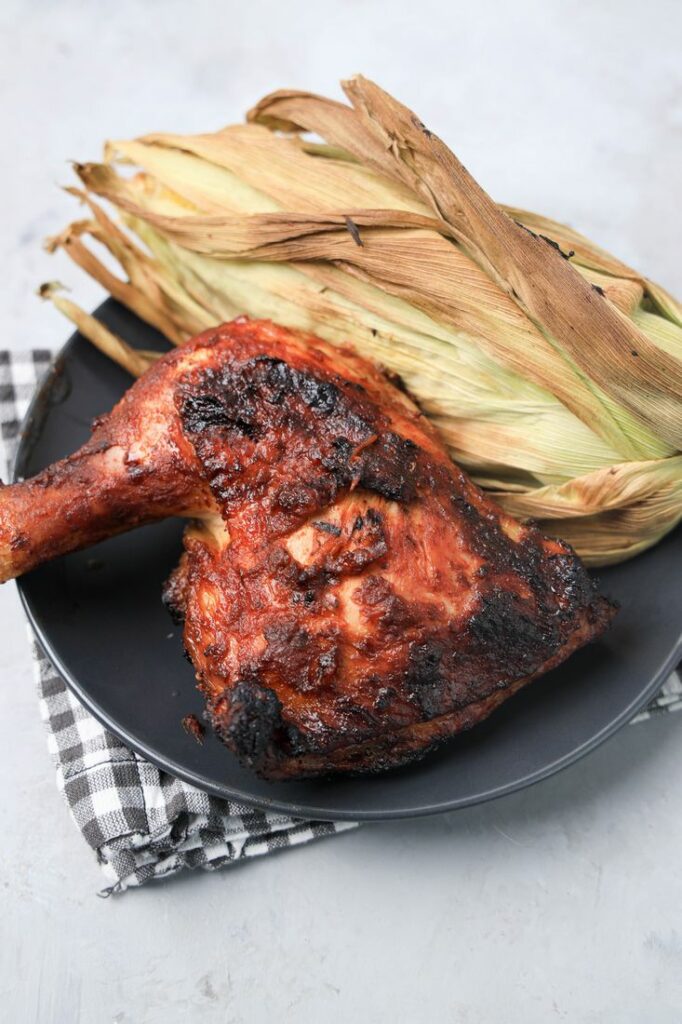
x,y
142,822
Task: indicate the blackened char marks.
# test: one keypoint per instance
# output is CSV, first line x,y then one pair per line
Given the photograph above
x,y
425,675
277,380
250,721
262,423
389,468
331,528
217,399
253,397
337,460
318,394
490,542
505,636
571,580
238,415
559,581
336,400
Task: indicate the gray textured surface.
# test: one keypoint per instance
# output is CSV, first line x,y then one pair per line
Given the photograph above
x,y
558,903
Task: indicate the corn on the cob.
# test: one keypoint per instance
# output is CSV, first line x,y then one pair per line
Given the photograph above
x,y
553,370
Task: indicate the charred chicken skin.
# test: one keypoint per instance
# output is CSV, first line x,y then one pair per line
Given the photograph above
x,y
350,598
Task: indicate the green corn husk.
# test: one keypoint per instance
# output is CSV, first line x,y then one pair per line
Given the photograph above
x,y
553,371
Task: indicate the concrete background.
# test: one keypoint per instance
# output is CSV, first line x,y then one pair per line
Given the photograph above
x,y
559,903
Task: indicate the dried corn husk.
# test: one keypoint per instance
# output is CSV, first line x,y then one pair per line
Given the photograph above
x,y
553,370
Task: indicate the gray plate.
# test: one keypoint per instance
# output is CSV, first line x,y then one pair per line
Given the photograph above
x,y
99,615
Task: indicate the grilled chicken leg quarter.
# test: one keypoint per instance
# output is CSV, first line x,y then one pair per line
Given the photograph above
x,y
350,598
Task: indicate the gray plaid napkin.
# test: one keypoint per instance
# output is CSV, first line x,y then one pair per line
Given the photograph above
x,y
142,822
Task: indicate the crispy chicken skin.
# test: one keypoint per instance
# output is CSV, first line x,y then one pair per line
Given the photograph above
x,y
350,598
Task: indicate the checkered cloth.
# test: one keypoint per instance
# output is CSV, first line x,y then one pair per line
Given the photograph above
x,y
142,822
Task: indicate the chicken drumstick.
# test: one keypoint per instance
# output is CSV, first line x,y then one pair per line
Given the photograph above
x,y
350,597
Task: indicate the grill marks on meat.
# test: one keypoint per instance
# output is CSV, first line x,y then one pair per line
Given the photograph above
x,y
349,597
371,601
252,423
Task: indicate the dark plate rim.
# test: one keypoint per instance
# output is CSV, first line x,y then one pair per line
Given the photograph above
x,y
301,810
